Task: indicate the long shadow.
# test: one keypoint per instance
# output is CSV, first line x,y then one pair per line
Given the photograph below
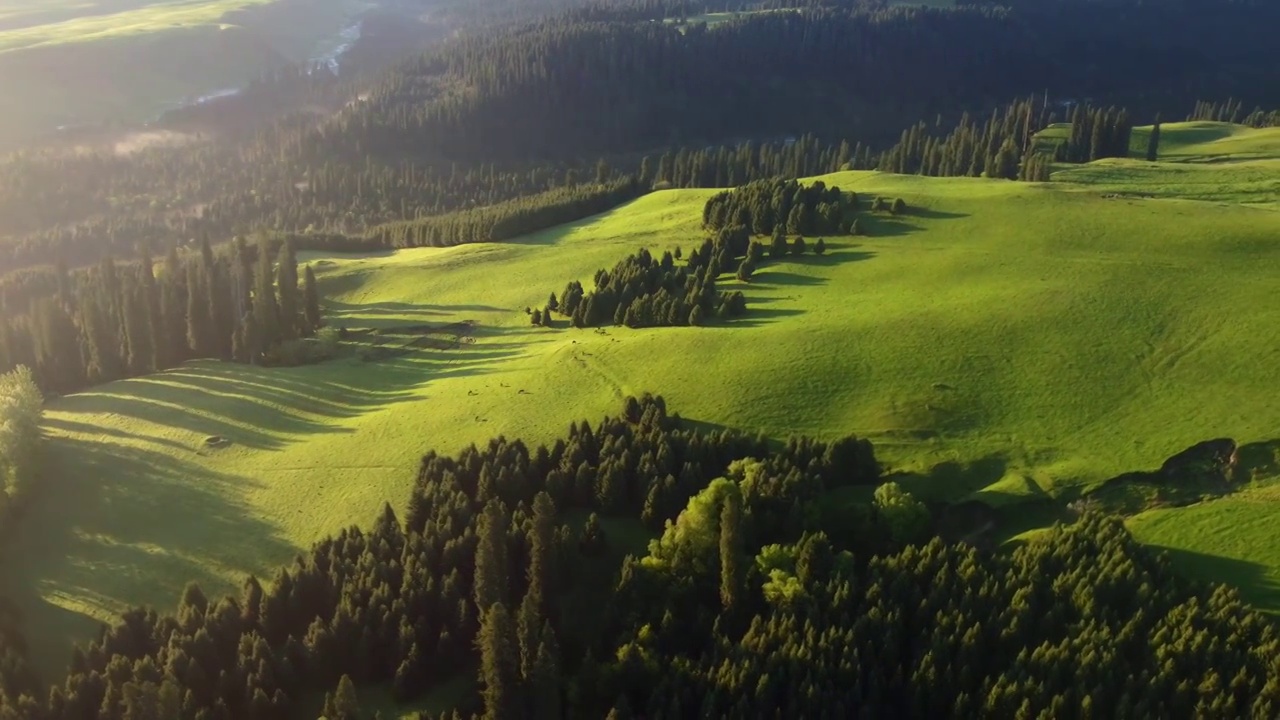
x,y
115,526
71,426
403,308
1249,577
921,212
1259,458
950,481
205,412
888,225
773,275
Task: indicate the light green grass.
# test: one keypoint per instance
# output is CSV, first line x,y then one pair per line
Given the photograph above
x,y
1010,338
1235,540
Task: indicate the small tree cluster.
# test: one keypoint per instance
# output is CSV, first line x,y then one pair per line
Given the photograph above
x,y
764,206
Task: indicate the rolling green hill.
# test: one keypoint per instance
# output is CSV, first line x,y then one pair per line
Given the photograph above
x,y
1000,340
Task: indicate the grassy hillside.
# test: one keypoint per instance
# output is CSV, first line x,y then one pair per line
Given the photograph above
x,y
69,63
1002,339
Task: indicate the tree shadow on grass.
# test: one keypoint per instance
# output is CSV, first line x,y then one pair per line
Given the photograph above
x,y
887,225
263,408
1259,458
952,481
393,314
924,212
115,526
1250,578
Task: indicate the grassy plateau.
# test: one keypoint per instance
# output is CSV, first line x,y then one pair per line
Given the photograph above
x,y
1001,341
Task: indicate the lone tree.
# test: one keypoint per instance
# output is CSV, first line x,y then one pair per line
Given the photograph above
x,y
1153,143
819,247
855,227
797,248
745,269
778,247
899,206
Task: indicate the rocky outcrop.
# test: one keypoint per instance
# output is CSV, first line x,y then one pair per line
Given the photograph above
x,y
1208,460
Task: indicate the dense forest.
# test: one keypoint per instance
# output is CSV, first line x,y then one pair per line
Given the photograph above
x,y
757,591
527,108
122,320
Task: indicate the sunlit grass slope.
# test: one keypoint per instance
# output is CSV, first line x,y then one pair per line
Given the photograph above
x,y
1211,161
1006,339
1233,540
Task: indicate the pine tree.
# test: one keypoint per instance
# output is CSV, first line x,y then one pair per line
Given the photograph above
x,y
1153,143
137,328
151,298
491,555
731,550
173,311
287,289
541,579
546,677
343,704
819,247
498,664
778,248
199,318
311,301
528,627
265,311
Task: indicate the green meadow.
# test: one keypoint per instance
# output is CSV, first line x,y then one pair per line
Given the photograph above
x,y
1001,341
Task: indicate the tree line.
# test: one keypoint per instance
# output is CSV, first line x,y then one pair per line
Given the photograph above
x,y
120,320
510,219
21,409
439,133
758,591
1231,111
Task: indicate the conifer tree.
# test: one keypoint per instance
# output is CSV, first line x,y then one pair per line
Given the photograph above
x,y
499,664
199,315
265,311
491,555
173,311
59,350
137,327
311,301
287,290
778,248
546,676
731,549
541,580
1153,143
528,628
